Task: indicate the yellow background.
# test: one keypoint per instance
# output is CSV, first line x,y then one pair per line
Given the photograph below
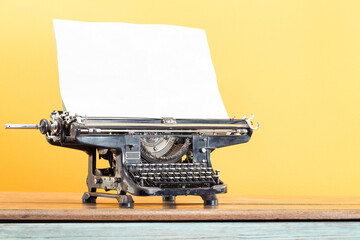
x,y
295,64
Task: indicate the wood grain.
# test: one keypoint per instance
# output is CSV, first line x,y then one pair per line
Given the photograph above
x,y
22,206
183,230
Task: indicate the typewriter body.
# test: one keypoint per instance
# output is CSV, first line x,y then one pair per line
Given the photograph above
x,y
147,156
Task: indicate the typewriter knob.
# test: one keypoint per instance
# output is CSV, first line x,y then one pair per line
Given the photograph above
x,y
56,126
44,126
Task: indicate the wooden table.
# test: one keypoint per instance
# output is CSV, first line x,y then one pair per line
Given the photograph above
x,y
63,207
182,230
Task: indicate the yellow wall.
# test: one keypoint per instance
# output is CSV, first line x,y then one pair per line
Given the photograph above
x,y
295,64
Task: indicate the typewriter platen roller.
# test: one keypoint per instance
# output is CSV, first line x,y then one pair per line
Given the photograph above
x,y
147,156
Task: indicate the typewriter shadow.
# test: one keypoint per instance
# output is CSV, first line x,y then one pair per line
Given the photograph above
x,y
150,206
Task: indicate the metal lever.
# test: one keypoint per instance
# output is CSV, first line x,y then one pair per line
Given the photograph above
x,y
22,126
250,123
43,126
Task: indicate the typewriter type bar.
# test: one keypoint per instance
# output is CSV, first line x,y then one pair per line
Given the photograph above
x,y
147,156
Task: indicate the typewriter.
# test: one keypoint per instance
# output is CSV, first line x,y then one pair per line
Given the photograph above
x,y
147,156
118,69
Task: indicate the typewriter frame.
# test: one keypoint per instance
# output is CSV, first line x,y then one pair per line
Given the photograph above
x,y
119,140
121,136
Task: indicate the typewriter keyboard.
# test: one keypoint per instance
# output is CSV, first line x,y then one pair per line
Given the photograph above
x,y
176,175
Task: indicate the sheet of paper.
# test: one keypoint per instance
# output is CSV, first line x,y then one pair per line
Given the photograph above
x,y
136,70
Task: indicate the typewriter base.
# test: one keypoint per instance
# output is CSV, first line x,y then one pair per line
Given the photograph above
x,y
126,201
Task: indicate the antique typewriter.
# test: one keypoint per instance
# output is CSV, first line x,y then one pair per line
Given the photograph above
x,y
147,157
108,69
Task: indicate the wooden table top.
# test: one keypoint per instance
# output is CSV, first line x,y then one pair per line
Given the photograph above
x,y
41,206
182,230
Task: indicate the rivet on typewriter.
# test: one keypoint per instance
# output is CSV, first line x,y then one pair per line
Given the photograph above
x,y
98,180
242,131
117,180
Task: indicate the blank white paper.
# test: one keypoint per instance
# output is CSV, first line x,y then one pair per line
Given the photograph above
x,y
136,70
